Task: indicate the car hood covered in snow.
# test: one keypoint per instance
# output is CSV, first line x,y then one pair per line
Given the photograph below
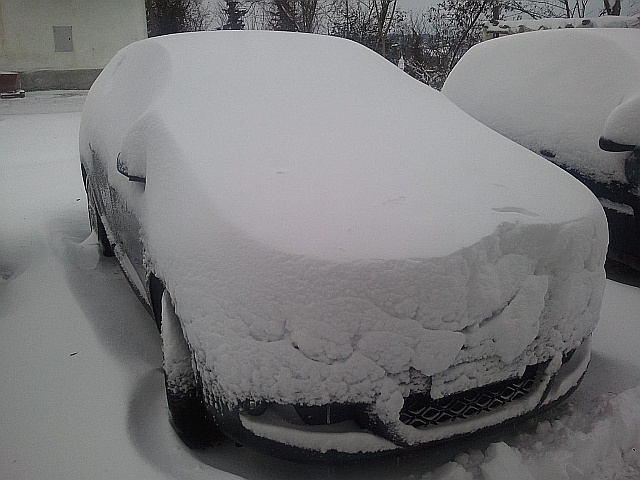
x,y
331,230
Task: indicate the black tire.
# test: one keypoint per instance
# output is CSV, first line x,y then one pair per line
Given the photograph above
x,y
188,412
156,288
107,248
95,221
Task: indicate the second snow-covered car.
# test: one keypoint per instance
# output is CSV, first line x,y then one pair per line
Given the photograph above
x,y
341,261
573,96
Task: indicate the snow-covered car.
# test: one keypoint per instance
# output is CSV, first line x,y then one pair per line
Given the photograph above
x,y
340,260
573,96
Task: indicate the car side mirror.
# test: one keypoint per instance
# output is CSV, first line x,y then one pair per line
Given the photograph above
x,y
611,146
134,170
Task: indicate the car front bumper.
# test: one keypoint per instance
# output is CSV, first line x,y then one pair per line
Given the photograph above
x,y
279,431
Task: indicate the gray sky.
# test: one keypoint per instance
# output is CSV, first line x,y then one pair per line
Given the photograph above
x,y
417,5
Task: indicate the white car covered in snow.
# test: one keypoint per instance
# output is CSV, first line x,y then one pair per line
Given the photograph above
x,y
573,96
341,261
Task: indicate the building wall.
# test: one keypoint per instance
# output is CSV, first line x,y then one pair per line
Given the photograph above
x,y
99,28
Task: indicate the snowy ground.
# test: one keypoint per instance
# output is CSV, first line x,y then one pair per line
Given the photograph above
x,y
82,391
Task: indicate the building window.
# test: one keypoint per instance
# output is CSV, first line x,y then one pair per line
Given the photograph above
x,y
63,39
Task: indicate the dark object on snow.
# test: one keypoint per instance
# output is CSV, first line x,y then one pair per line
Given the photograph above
x,y
8,83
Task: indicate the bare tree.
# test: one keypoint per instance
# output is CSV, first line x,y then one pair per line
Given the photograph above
x,y
176,16
234,15
369,22
352,19
412,36
284,15
258,16
613,9
545,8
307,18
295,15
385,11
453,27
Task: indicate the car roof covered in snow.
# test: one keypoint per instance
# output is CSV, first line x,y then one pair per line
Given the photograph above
x,y
557,92
317,146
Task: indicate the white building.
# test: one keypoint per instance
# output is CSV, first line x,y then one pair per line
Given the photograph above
x,y
65,43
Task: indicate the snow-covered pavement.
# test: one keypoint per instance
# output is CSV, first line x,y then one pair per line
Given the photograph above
x,y
82,391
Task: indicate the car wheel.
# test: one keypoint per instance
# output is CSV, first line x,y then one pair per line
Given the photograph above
x,y
96,223
188,412
107,248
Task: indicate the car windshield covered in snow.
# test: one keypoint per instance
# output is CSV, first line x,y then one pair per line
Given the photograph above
x,y
341,261
578,107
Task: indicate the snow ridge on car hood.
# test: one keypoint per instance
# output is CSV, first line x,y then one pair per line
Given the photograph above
x,y
331,230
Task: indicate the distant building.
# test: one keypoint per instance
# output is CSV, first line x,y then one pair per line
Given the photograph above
x,y
499,28
60,44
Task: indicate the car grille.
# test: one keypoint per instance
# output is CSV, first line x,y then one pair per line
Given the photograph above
x,y
421,411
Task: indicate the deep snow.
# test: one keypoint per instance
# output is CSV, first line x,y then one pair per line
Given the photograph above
x,y
82,392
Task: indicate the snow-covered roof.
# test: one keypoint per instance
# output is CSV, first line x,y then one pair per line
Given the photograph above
x,y
497,28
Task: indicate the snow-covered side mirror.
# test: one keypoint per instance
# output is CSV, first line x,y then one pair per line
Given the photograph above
x,y
143,135
134,171
620,132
